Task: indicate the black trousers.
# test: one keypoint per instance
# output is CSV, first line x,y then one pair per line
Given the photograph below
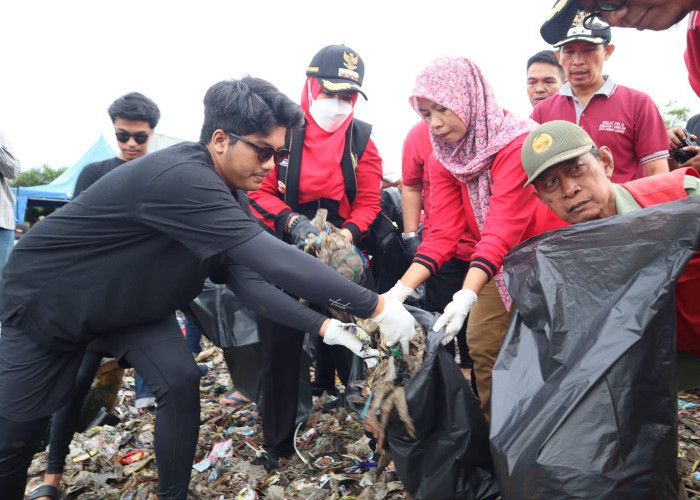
x,y
157,350
438,293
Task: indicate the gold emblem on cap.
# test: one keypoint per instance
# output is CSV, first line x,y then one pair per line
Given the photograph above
x,y
542,143
350,60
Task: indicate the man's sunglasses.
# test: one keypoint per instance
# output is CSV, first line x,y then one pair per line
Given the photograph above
x,y
139,137
265,152
600,6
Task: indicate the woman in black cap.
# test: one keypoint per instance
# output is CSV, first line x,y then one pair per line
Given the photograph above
x,y
335,165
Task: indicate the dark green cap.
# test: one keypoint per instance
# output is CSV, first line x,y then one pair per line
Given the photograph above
x,y
551,143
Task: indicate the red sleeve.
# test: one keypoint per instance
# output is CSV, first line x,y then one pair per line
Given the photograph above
x,y
416,151
692,52
448,218
511,209
651,138
366,206
266,203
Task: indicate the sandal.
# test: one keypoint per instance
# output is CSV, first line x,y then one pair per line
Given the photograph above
x,y
46,490
229,399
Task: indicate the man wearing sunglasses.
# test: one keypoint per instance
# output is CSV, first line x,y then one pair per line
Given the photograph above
x,y
134,117
115,264
654,15
625,119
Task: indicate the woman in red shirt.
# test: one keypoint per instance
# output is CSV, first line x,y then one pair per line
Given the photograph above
x,y
476,189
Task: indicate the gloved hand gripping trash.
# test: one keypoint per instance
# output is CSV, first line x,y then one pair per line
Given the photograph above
x,y
455,313
396,324
350,336
302,231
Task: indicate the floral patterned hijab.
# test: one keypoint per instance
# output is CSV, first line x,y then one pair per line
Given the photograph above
x,y
457,84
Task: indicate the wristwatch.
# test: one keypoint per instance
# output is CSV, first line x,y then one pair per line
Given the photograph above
x,y
408,236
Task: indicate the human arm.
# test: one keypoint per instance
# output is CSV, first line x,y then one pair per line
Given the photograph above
x,y
411,205
10,166
449,223
655,167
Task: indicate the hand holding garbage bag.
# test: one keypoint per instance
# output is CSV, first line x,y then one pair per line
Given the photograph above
x,y
455,313
395,323
399,292
345,334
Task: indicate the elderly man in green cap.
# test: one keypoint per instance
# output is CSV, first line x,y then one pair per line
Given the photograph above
x,y
572,177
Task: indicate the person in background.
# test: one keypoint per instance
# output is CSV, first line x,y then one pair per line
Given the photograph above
x,y
571,175
475,191
131,229
415,204
9,169
545,76
677,139
639,14
335,165
134,117
625,119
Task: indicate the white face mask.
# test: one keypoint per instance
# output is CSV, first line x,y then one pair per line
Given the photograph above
x,y
330,114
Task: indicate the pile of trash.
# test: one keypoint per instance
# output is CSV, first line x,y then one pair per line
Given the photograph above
x,y
335,460
689,442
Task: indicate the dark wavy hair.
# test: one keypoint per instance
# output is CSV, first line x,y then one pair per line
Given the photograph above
x,y
135,106
247,106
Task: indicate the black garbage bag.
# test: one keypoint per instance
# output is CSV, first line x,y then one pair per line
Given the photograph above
x,y
583,399
449,458
229,324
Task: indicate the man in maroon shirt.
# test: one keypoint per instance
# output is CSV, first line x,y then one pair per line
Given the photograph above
x,y
625,119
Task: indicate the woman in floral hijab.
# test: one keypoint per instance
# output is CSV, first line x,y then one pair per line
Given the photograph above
x,y
476,188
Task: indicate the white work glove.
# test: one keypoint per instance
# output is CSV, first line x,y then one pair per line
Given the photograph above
x,y
455,313
396,324
349,335
398,292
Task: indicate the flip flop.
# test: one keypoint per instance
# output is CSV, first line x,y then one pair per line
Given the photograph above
x,y
46,490
236,401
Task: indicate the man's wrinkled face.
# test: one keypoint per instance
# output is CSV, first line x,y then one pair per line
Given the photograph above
x,y
645,14
543,80
579,189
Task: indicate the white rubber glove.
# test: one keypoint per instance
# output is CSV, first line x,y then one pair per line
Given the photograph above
x,y
396,324
398,292
455,313
346,334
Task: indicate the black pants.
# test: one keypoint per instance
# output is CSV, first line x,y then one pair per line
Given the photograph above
x,y
438,293
65,420
157,350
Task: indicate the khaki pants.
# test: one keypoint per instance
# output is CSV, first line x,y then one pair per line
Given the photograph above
x,y
486,328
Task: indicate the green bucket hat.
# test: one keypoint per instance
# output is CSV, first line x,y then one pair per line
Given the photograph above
x,y
551,143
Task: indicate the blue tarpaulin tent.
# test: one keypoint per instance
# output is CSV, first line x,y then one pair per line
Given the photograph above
x,y
60,190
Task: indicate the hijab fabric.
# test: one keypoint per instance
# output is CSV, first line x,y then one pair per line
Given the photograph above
x,y
322,150
458,84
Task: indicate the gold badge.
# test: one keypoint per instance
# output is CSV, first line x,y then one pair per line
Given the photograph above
x,y
350,60
282,187
542,143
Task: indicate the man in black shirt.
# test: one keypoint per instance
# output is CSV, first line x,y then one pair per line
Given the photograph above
x,y
134,116
116,263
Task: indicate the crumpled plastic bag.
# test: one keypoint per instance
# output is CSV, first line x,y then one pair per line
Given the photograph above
x,y
584,398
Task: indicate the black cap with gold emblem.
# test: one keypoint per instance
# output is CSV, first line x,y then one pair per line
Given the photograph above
x,y
338,69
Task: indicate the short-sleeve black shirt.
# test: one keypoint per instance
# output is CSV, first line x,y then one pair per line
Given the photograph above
x,y
134,247
95,171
